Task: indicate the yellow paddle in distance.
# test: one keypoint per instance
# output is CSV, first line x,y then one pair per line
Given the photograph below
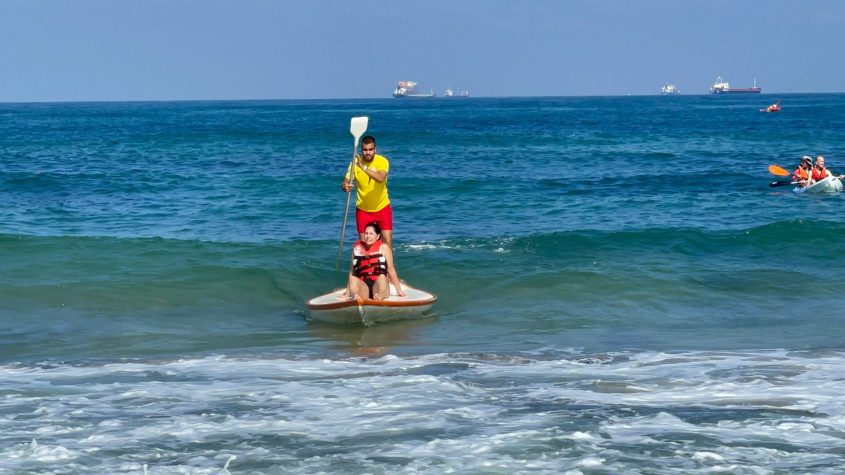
x,y
357,127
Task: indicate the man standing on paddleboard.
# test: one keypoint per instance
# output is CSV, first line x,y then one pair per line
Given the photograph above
x,y
372,204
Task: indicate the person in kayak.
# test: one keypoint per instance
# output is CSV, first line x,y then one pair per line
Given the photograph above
x,y
372,267
820,172
802,174
372,203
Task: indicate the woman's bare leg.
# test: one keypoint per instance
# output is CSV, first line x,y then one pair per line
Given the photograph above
x,y
381,289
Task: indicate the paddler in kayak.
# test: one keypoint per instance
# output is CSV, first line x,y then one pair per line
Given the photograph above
x,y
372,267
372,203
802,174
774,107
820,172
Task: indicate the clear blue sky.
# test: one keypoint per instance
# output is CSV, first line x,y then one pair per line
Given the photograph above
x,y
77,50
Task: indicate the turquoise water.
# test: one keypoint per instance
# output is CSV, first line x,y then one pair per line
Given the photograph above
x,y
619,288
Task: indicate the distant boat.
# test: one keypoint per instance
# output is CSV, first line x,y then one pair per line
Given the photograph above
x,y
409,89
723,87
669,89
772,108
450,93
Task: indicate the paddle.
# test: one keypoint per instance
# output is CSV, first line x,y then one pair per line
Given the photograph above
x,y
782,183
776,170
357,127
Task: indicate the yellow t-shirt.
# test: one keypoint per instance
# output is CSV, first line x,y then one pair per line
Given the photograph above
x,y
372,195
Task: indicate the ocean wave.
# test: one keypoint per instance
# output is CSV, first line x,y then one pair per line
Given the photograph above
x,y
92,269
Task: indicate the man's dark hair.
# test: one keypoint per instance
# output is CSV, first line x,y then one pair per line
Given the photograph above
x,y
368,139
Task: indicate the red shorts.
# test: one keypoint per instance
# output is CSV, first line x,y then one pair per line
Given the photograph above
x,y
384,218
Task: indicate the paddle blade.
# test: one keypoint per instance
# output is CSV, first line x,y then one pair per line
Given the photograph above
x,y
776,170
358,126
782,183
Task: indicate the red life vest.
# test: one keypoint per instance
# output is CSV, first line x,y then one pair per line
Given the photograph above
x,y
819,174
799,174
369,263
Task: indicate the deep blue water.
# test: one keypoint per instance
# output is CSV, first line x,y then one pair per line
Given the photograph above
x,y
619,288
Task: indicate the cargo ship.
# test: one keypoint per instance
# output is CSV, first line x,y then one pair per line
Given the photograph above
x,y
724,87
409,89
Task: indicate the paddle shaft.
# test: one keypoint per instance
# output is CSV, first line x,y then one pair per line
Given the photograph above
x,y
346,211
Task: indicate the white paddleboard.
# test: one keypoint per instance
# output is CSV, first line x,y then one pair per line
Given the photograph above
x,y
335,307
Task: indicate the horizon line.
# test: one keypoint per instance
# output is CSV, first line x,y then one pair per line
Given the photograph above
x,y
403,100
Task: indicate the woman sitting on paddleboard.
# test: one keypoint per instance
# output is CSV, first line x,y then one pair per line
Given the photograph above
x,y
372,267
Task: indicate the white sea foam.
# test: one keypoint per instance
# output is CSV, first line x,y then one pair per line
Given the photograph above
x,y
502,243
33,452
591,462
707,457
551,413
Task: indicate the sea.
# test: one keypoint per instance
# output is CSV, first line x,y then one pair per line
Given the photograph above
x,y
620,289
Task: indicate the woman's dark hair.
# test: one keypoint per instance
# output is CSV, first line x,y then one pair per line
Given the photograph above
x,y
375,226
